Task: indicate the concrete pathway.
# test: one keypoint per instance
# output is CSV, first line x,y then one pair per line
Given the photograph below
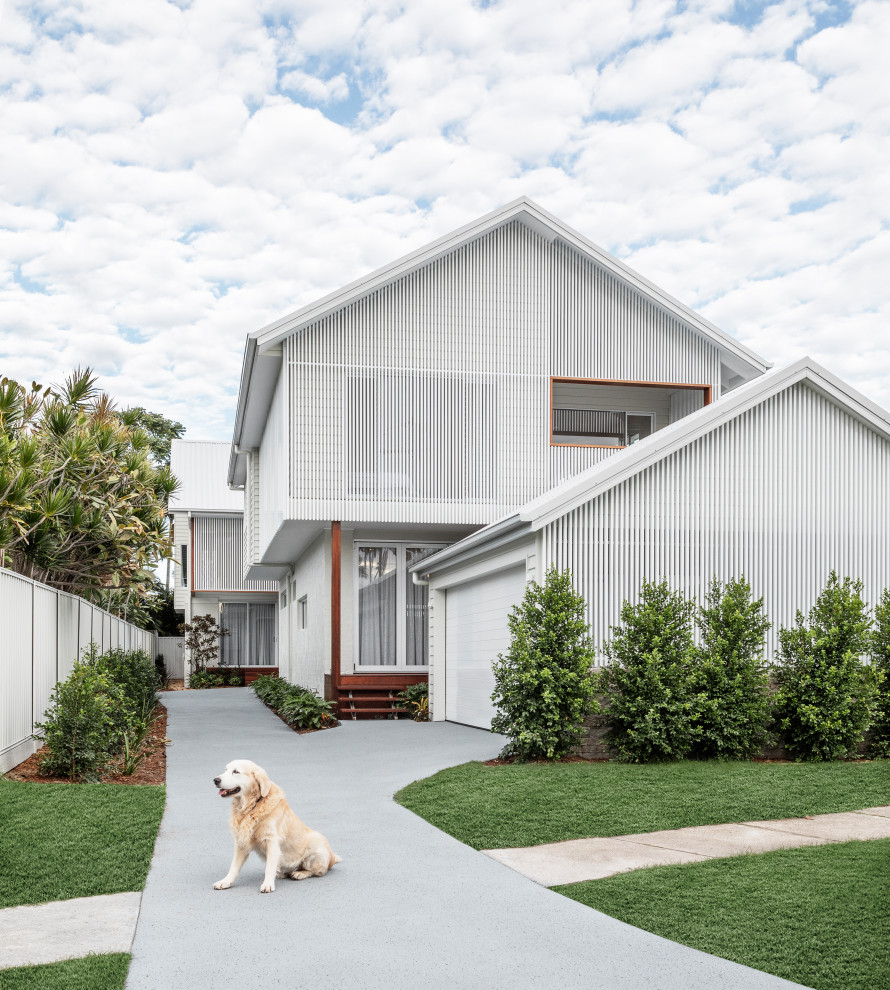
x,y
46,933
592,859
408,907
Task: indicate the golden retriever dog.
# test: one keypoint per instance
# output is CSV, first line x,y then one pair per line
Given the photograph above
x,y
263,822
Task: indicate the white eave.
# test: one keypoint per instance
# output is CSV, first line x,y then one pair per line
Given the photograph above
x,y
597,480
264,343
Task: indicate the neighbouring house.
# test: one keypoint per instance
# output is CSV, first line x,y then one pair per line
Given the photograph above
x,y
380,429
206,525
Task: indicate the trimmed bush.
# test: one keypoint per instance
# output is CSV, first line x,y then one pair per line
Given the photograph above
x,y
81,724
651,713
544,687
135,673
880,658
826,694
729,677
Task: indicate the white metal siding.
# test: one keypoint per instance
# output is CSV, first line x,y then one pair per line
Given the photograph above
x,y
43,633
476,632
437,389
202,469
218,564
273,469
781,494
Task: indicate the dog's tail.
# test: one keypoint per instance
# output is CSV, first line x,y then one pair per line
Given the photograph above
x,y
334,859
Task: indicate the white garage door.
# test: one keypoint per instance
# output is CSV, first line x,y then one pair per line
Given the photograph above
x,y
475,633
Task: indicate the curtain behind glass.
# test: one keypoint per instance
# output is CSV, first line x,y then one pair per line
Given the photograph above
x,y
262,635
377,606
235,646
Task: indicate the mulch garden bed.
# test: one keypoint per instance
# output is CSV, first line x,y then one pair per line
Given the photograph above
x,y
498,762
152,769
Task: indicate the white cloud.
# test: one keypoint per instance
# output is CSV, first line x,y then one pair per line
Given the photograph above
x,y
172,177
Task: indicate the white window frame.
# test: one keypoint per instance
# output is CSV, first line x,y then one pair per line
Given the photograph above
x,y
402,579
633,412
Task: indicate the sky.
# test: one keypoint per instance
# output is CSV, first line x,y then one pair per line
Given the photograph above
x,y
175,175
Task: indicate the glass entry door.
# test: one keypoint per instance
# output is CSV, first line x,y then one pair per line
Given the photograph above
x,y
391,612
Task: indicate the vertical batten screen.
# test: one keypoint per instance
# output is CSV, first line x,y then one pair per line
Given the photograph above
x,y
219,558
782,494
429,399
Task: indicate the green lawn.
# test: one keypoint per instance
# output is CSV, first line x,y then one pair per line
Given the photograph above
x,y
74,840
527,804
92,973
817,915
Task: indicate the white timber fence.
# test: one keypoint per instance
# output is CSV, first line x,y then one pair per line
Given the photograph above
x,y
172,649
42,632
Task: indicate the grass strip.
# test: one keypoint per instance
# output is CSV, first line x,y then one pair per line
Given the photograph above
x,y
816,915
90,973
527,804
75,840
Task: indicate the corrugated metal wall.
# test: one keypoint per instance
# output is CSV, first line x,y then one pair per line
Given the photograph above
x,y
43,633
428,401
781,494
219,560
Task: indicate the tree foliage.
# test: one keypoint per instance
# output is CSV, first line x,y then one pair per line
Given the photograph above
x,y
880,657
544,687
826,694
202,636
82,502
729,678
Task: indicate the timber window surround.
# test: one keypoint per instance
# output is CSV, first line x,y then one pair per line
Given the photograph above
x,y
391,612
591,412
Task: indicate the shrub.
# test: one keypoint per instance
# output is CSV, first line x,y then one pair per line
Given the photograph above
x,y
298,706
729,678
880,658
651,711
200,679
826,693
81,723
544,687
202,636
416,698
135,673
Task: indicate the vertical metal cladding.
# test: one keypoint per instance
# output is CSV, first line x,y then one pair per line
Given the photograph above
x,y
219,558
428,400
781,495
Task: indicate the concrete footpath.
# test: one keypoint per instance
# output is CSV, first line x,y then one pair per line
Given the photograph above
x,y
409,906
592,859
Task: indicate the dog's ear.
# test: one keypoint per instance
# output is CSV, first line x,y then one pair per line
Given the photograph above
x,y
263,782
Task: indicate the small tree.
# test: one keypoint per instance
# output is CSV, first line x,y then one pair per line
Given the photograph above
x,y
729,677
880,658
544,687
826,693
651,710
202,636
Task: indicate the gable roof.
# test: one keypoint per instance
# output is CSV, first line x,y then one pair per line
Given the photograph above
x,y
607,474
200,467
262,355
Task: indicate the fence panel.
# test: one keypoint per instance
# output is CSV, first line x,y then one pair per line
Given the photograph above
x,y
15,668
172,649
45,646
43,632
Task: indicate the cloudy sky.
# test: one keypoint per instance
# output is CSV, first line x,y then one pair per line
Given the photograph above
x,y
174,175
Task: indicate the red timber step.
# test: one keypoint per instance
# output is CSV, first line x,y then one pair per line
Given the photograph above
x,y
359,702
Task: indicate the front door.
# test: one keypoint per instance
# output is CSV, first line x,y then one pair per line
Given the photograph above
x,y
391,612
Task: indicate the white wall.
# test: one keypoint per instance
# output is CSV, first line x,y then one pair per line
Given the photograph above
x,y
273,468
309,649
781,494
42,633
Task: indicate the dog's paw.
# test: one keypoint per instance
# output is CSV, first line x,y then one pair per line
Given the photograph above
x,y
222,885
267,888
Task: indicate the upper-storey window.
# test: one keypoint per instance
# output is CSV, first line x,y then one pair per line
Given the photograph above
x,y
594,413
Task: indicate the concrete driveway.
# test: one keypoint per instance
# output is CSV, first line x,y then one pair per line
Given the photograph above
x,y
408,907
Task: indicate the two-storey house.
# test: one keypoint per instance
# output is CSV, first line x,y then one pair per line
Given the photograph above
x,y
207,521
402,413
